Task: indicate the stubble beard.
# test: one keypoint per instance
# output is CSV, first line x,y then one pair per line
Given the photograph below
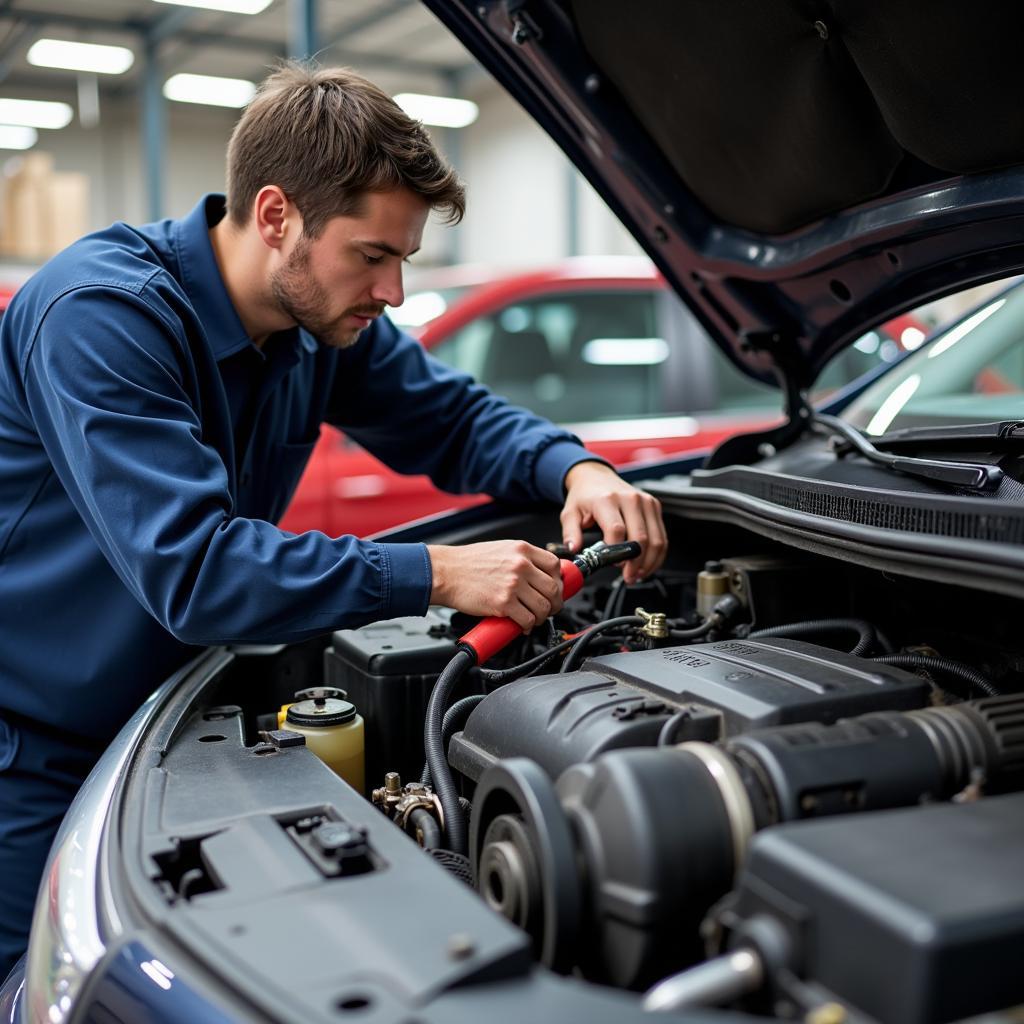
x,y
304,300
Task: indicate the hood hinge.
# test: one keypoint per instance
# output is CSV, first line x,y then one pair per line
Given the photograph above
x,y
790,369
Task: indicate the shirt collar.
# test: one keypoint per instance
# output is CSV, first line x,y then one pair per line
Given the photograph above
x,y
201,279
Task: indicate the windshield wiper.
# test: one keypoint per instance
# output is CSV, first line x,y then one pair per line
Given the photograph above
x,y
974,476
993,433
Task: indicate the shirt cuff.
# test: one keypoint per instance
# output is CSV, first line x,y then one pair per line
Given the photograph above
x,y
555,461
407,580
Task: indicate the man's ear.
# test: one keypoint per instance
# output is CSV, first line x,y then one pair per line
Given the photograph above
x,y
275,216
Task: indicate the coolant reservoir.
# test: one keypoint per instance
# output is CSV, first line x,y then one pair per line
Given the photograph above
x,y
333,730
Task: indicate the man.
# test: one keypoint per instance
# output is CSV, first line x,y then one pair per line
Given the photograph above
x,y
160,391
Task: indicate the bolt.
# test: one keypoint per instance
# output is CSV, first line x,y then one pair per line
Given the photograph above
x,y
461,946
592,83
393,784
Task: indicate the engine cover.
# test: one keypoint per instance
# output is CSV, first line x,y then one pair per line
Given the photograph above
x,y
623,700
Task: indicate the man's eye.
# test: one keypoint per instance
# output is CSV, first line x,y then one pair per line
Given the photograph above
x,y
372,260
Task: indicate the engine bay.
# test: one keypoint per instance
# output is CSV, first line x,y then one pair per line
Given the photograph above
x,y
763,781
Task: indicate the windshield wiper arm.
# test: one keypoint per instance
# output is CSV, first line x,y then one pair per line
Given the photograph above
x,y
968,433
974,476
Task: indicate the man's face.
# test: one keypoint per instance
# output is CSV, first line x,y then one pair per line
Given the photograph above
x,y
333,286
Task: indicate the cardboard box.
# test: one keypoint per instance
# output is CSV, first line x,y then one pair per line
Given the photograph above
x,y
42,210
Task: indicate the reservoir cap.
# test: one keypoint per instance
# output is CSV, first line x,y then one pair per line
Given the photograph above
x,y
321,711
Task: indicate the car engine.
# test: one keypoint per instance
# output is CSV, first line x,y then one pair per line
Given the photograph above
x,y
766,782
703,789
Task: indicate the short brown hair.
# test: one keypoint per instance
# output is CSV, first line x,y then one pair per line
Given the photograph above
x,y
326,137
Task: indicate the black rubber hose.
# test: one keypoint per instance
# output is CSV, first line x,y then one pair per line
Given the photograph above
x,y
616,598
433,744
867,635
580,645
498,677
421,820
690,634
946,666
454,718
667,736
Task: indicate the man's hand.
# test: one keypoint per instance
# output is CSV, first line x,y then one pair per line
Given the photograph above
x,y
509,578
598,496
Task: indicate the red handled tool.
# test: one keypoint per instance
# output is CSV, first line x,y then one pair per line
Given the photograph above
x,y
490,635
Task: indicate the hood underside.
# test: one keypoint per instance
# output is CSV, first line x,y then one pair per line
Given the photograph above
x,y
800,170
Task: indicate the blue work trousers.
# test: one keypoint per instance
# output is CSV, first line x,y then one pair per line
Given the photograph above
x,y
40,772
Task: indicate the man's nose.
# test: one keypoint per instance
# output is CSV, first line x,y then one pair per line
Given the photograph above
x,y
388,287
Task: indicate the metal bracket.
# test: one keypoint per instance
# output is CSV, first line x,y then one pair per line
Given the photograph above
x,y
790,370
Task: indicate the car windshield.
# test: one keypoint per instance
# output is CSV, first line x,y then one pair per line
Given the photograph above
x,y
971,372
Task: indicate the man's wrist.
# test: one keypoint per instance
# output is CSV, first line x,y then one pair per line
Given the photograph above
x,y
585,468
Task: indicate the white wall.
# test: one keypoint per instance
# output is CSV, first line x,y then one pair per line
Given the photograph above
x,y
519,185
111,154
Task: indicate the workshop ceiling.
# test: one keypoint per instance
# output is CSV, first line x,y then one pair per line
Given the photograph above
x,y
397,43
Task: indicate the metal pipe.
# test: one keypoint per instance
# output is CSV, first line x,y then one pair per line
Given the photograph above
x,y
714,983
154,130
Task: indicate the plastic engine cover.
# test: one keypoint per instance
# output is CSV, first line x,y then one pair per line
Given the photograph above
x,y
623,700
913,916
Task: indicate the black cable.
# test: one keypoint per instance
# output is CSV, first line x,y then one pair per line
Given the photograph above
x,y
947,666
867,635
688,634
553,632
667,736
615,600
433,744
576,654
498,677
454,718
421,820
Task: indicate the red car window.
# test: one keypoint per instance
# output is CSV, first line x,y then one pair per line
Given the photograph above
x,y
572,356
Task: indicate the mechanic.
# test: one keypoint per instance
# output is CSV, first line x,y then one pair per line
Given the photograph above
x,y
161,388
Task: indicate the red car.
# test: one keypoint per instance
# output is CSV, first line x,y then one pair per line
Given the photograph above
x,y
599,344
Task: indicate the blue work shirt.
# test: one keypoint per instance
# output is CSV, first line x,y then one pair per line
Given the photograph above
x,y
147,448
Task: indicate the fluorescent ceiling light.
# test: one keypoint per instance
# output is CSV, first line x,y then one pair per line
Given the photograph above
x,y
442,111
625,351
892,406
912,338
61,53
35,113
950,338
17,136
231,6
217,92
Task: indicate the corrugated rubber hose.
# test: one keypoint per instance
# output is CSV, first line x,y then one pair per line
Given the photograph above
x,y
437,761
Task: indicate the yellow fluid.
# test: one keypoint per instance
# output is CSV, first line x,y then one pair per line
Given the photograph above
x,y
340,747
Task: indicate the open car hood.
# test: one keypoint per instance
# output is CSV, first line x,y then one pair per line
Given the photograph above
x,y
799,170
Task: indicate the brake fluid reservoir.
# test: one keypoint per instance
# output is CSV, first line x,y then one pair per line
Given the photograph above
x,y
333,731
